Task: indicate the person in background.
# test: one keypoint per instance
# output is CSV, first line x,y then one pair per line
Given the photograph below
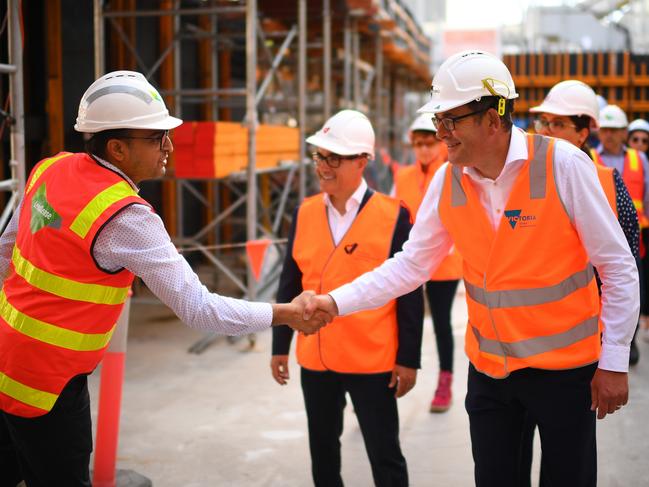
x,y
570,111
373,356
410,186
67,261
634,169
638,139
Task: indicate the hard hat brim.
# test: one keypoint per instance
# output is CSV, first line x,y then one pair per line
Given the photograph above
x,y
326,143
167,124
557,110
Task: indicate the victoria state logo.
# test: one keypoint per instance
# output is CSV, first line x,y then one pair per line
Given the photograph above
x,y
515,217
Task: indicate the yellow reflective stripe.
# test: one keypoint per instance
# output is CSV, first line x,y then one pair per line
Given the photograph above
x,y
28,395
66,288
639,205
634,163
84,220
43,167
52,334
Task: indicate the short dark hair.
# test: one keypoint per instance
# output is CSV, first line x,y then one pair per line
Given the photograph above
x,y
423,132
487,102
96,144
581,122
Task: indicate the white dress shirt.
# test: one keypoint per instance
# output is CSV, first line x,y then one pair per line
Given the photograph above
x,y
136,239
585,202
339,224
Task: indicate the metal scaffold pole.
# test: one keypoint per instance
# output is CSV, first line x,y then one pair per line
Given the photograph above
x,y
17,103
302,92
326,57
251,120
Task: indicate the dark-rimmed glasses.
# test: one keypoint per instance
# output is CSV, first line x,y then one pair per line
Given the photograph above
x,y
552,125
449,122
162,137
332,160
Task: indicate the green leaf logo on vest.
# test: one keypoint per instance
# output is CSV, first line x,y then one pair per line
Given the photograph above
x,y
43,215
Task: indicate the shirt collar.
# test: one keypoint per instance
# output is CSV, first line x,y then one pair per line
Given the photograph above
x,y
114,168
354,200
517,152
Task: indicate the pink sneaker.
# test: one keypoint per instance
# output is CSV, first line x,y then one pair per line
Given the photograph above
x,y
442,400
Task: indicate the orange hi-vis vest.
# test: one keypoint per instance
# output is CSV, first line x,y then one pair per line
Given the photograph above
x,y
58,309
607,181
364,342
633,177
410,184
530,288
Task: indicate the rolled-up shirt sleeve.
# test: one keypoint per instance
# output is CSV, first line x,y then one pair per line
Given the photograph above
x,y
136,240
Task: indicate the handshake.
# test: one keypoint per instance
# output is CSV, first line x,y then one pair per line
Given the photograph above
x,y
307,313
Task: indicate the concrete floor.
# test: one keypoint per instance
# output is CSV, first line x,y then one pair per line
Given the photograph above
x,y
218,418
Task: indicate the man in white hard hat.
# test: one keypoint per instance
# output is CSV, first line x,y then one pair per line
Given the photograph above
x,y
67,260
528,216
410,186
373,356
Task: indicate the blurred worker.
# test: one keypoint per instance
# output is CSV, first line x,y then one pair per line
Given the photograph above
x,y
638,139
528,215
67,260
634,168
373,356
569,112
410,185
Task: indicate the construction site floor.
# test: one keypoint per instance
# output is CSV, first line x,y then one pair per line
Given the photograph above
x,y
218,419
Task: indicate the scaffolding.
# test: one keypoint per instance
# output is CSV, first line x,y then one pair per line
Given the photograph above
x,y
257,63
15,116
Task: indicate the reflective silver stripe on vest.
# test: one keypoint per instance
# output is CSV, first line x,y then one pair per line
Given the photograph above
x,y
542,344
530,297
538,169
458,196
129,90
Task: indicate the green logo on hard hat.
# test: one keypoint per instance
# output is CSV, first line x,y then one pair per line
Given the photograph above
x,y
43,215
155,95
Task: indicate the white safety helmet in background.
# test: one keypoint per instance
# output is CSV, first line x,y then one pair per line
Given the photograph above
x,y
613,117
571,98
468,76
123,100
347,133
601,101
423,122
639,124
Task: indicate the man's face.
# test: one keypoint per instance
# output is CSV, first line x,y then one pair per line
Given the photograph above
x,y
145,154
426,147
465,141
612,139
340,181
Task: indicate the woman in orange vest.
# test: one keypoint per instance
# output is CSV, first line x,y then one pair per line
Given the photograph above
x,y
410,185
570,111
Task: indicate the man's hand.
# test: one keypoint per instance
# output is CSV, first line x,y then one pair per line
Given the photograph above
x,y
609,391
292,314
322,302
279,368
404,378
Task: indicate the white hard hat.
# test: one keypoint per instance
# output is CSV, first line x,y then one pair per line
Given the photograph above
x,y
468,76
423,122
639,124
347,133
123,100
571,98
601,101
612,116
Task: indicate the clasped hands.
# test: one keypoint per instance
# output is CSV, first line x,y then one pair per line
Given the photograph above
x,y
307,313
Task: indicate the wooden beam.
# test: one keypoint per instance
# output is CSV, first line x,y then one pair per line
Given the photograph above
x,y
54,103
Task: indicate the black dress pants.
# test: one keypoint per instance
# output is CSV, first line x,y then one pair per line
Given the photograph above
x,y
376,409
51,450
558,401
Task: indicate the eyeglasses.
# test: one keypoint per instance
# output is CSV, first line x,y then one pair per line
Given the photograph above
x,y
552,125
162,137
449,122
639,140
332,160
